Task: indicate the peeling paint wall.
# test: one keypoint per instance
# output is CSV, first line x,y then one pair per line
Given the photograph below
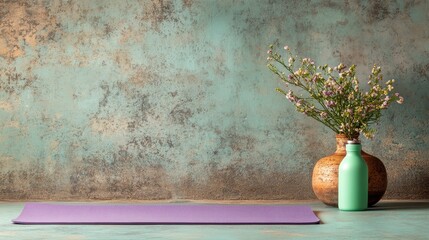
x,y
171,99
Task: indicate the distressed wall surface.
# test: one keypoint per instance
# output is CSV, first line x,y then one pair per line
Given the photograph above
x,y
171,99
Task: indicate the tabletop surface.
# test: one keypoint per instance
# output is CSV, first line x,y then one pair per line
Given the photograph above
x,y
386,220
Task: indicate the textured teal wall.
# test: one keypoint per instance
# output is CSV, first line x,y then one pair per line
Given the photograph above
x,y
170,99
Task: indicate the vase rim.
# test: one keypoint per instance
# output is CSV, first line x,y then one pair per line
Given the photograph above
x,y
340,135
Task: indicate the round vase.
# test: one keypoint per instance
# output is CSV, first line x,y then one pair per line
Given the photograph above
x,y
325,175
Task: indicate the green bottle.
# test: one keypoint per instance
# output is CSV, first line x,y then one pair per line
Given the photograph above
x,y
353,180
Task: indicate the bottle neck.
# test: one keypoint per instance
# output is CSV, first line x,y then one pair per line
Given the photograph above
x,y
353,148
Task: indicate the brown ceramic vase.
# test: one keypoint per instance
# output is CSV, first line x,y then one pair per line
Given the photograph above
x,y
325,175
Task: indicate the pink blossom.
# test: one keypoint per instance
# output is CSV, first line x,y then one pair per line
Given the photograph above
x,y
330,104
290,96
327,93
314,79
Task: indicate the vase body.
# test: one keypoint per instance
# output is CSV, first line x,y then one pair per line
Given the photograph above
x,y
325,175
353,180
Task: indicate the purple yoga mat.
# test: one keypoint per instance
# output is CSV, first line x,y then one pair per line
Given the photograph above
x,y
48,213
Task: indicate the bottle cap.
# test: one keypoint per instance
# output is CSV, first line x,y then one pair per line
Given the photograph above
x,y
354,141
